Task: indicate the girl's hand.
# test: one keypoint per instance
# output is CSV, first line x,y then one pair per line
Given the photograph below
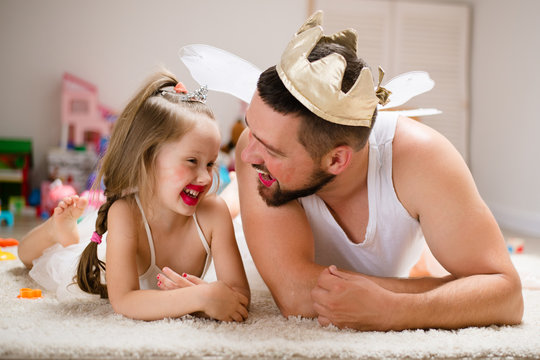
x,y
169,280
221,302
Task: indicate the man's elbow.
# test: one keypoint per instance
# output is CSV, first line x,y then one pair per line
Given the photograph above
x,y
515,308
294,305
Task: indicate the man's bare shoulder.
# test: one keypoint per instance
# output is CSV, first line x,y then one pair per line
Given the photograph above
x,y
413,140
423,160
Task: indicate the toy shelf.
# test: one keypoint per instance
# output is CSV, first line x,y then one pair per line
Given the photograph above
x,y
15,163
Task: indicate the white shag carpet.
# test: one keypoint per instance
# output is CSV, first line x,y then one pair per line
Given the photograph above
x,y
49,328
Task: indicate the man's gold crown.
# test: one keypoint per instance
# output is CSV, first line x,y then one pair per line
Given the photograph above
x,y
317,85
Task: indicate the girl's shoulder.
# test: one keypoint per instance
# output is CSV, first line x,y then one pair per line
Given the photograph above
x,y
122,214
121,207
212,205
213,213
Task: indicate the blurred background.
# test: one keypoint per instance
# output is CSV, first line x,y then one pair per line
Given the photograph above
x,y
482,54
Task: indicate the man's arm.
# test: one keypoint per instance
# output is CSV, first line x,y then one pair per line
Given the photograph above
x,y
280,242
435,186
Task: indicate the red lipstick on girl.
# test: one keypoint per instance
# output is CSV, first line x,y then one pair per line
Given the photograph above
x,y
190,194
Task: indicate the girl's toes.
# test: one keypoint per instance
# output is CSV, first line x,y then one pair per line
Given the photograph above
x,y
82,203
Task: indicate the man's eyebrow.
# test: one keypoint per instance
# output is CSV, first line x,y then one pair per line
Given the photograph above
x,y
269,147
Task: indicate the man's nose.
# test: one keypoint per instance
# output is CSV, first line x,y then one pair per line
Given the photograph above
x,y
251,153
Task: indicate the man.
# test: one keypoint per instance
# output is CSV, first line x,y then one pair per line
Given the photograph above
x,y
336,200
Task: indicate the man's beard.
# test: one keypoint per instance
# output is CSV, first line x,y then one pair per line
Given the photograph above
x,y
278,197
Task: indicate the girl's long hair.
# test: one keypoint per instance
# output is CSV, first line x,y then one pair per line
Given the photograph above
x,y
154,116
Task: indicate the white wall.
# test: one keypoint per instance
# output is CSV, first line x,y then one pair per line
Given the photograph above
x,y
505,123
116,45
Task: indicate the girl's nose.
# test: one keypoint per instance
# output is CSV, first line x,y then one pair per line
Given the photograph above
x,y
204,177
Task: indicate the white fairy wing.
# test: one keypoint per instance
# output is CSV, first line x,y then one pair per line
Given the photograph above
x,y
416,112
406,86
225,72
220,70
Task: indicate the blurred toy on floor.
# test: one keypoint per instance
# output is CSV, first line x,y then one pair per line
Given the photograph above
x,y
515,245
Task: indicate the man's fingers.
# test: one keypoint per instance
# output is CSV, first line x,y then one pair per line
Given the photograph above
x,y
319,308
317,293
341,274
327,280
323,321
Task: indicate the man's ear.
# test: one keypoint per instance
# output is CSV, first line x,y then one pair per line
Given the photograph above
x,y
337,159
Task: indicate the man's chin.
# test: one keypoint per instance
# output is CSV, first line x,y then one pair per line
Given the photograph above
x,y
269,196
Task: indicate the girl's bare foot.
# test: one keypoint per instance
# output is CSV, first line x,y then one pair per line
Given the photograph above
x,y
64,220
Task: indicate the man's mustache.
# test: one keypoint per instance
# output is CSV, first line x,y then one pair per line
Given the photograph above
x,y
260,167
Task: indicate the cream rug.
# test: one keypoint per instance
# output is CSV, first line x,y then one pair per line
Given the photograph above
x,y
48,328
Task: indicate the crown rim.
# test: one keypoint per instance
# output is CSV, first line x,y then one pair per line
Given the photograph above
x,y
315,109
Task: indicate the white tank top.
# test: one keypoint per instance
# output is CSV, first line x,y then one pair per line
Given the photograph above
x,y
148,279
393,241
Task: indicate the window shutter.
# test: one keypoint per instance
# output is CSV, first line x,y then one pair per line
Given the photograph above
x,y
405,36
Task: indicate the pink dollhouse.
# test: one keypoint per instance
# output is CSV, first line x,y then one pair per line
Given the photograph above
x,y
81,113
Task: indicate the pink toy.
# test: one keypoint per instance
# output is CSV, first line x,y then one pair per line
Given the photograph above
x,y
95,198
53,193
81,111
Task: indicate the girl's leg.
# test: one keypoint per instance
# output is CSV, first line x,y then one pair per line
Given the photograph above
x,y
60,228
428,266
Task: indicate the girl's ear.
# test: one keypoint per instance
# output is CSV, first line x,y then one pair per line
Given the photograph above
x,y
337,159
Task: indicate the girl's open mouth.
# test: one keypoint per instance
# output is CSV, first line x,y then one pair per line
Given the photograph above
x,y
190,194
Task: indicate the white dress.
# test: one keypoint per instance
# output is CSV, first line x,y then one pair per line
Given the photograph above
x,y
55,270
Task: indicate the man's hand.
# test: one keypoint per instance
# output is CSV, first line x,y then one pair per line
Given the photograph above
x,y
351,301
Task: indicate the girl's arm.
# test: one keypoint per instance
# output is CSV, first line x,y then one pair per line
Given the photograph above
x,y
217,299
227,259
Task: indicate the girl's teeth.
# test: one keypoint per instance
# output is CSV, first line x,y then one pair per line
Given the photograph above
x,y
191,192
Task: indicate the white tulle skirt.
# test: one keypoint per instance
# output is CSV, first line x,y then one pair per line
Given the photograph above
x,y
55,270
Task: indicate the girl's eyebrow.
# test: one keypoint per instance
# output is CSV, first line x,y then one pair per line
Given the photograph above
x,y
269,147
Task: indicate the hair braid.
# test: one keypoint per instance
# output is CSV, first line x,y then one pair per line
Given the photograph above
x,y
90,266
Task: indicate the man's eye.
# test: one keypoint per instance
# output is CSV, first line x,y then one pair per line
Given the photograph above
x,y
211,164
271,153
193,161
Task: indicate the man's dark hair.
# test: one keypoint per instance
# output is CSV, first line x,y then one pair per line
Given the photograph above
x,y
317,135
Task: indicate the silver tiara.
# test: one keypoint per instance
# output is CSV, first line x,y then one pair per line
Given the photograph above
x,y
198,95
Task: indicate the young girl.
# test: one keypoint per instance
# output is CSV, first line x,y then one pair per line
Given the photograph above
x,y
157,172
